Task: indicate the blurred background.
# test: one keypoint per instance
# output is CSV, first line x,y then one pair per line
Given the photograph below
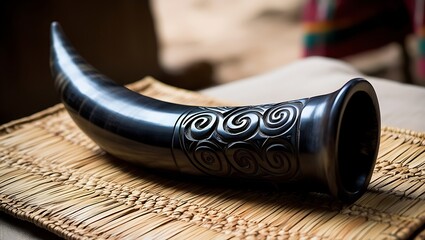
x,y
194,44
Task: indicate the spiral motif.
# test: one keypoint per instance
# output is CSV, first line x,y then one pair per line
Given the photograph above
x,y
242,141
208,158
279,159
201,125
239,125
243,158
278,119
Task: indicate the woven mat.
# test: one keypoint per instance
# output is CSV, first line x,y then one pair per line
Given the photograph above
x,y
52,175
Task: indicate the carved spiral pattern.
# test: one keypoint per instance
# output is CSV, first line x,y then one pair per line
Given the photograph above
x,y
239,125
242,158
201,125
243,141
279,159
209,159
278,119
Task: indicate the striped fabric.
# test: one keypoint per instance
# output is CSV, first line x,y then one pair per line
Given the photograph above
x,y
338,28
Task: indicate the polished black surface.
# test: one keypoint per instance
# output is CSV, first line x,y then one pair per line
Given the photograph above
x,y
327,143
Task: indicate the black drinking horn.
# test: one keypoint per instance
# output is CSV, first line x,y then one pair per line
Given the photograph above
x,y
327,143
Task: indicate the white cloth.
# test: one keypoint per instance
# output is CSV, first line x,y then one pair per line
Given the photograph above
x,y
401,104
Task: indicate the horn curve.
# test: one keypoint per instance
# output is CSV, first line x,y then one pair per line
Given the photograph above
x,y
327,143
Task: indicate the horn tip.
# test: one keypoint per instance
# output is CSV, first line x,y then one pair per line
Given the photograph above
x,y
55,27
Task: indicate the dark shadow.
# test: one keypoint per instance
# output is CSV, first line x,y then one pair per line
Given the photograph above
x,y
249,190
23,228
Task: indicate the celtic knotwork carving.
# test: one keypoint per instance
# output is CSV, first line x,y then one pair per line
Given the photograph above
x,y
242,141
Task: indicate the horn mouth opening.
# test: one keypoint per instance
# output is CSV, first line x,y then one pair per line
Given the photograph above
x,y
357,140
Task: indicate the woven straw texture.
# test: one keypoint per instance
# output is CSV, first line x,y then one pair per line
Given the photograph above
x,y
52,175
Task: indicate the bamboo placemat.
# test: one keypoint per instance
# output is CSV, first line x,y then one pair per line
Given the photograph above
x,y
52,175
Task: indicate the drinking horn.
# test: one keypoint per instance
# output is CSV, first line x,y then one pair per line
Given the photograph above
x,y
327,143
